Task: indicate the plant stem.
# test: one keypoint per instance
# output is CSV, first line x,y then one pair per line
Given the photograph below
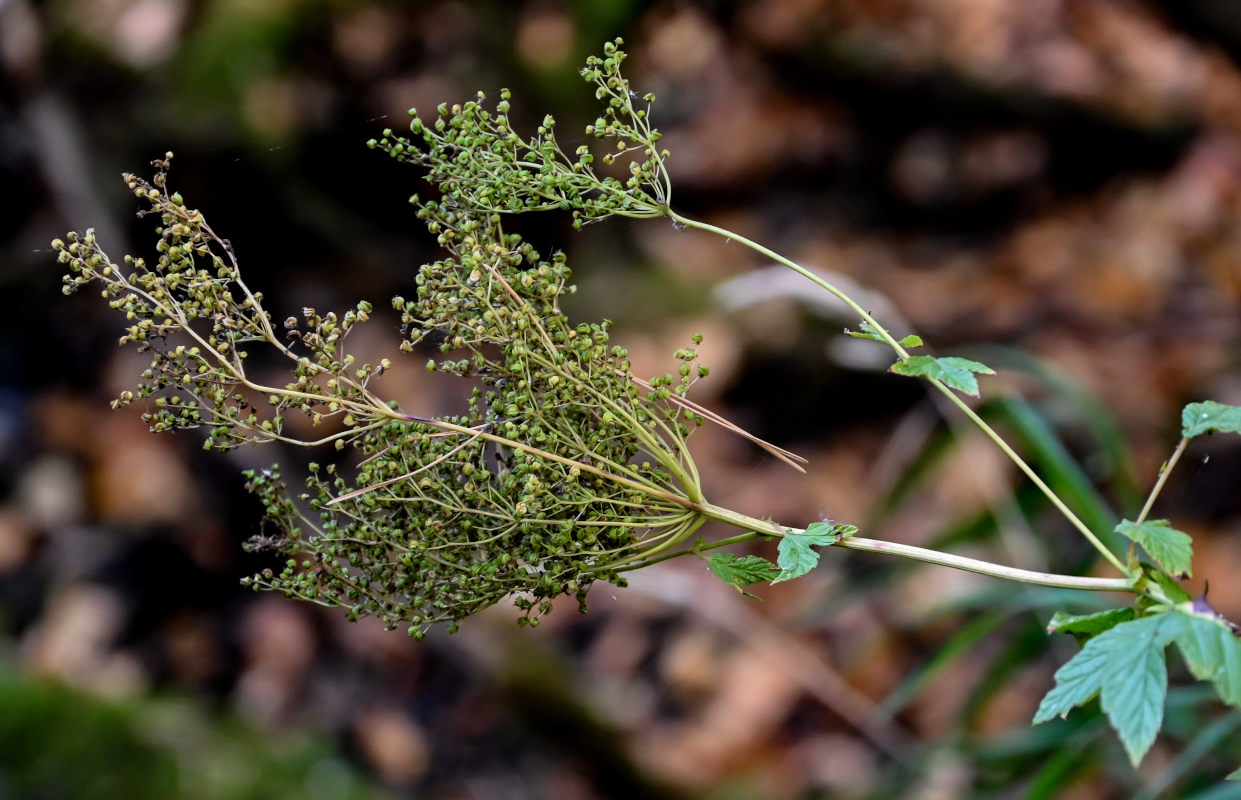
x,y
763,527
991,433
903,355
799,269
741,537
1164,471
986,567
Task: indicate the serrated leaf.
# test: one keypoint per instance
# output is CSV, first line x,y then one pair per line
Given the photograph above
x,y
1083,626
795,558
1135,686
741,571
1171,589
795,554
1172,550
1208,416
1077,681
957,373
826,533
1212,652
1125,666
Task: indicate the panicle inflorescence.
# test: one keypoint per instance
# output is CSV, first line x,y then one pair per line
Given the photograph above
x,y
195,315
564,469
480,164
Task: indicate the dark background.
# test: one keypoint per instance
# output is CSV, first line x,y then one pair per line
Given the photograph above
x,y
1052,187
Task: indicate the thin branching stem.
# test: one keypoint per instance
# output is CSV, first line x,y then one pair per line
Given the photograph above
x,y
903,355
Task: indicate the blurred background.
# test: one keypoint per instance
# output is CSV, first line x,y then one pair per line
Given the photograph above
x,y
1051,186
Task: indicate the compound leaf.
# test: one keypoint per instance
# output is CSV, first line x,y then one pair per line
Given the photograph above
x,y
1125,665
957,373
1171,549
741,571
1208,416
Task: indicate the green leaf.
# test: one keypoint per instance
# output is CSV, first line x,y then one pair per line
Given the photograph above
x,y
1173,590
1212,652
957,373
741,571
827,533
1171,549
1235,775
1084,626
795,554
1077,681
1200,418
1125,666
795,558
1134,689
871,332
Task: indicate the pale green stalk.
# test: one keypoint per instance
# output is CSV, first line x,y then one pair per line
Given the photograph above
x,y
903,355
766,528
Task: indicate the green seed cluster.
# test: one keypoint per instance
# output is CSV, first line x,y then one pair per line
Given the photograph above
x,y
480,164
563,469
195,315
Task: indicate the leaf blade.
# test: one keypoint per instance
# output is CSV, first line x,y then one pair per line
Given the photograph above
x,y
1209,416
1085,626
738,571
1126,667
794,557
1134,688
795,554
1212,652
1076,682
957,373
1171,549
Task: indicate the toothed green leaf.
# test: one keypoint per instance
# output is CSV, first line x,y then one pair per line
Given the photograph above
x,y
1172,550
957,373
1125,666
1208,416
741,571
1084,626
795,554
1212,652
